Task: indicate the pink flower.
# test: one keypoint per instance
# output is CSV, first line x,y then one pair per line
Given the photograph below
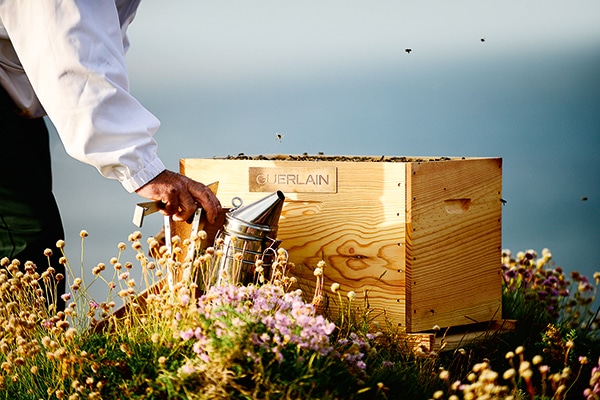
x,y
187,335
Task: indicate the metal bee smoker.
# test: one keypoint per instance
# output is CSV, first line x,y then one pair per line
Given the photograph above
x,y
249,233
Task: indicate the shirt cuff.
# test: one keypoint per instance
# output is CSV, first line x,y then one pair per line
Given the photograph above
x,y
143,176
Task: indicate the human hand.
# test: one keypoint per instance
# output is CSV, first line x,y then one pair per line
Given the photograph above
x,y
181,196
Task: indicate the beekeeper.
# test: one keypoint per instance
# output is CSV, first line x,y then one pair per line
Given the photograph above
x,y
66,59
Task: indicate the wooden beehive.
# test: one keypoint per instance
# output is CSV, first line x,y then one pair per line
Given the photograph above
x,y
417,239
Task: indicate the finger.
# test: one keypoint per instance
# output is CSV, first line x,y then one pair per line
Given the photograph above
x,y
187,207
215,206
207,200
169,200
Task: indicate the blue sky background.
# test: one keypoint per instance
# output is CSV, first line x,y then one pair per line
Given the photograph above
x,y
333,77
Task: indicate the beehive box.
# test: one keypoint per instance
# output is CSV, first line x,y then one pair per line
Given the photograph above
x,y
417,239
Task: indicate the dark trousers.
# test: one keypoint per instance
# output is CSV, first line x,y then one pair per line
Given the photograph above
x,y
29,216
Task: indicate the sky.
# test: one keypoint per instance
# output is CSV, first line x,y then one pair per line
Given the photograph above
x,y
511,79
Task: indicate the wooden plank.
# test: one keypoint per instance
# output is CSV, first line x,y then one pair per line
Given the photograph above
x,y
470,334
454,235
419,343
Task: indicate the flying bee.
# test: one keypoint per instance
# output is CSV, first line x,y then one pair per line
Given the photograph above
x,y
408,50
278,137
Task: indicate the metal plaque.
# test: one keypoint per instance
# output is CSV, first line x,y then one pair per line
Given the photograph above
x,y
293,179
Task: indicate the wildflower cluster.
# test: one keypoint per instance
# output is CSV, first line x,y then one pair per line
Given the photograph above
x,y
523,377
593,391
35,341
353,352
176,329
553,315
266,317
545,293
535,280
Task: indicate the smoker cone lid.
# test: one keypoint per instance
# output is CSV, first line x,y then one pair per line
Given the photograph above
x,y
264,212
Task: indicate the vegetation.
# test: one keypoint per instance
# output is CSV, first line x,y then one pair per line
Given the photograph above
x,y
194,339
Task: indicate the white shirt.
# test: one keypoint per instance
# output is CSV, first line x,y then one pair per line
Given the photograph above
x,y
73,54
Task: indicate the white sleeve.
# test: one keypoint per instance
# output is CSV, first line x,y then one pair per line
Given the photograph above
x,y
73,54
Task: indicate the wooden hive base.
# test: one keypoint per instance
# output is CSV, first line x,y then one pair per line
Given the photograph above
x,y
453,338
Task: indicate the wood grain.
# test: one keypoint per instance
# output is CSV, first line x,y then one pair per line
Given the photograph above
x,y
418,241
453,253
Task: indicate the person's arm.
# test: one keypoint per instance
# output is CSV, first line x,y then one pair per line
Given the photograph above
x,y
74,56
